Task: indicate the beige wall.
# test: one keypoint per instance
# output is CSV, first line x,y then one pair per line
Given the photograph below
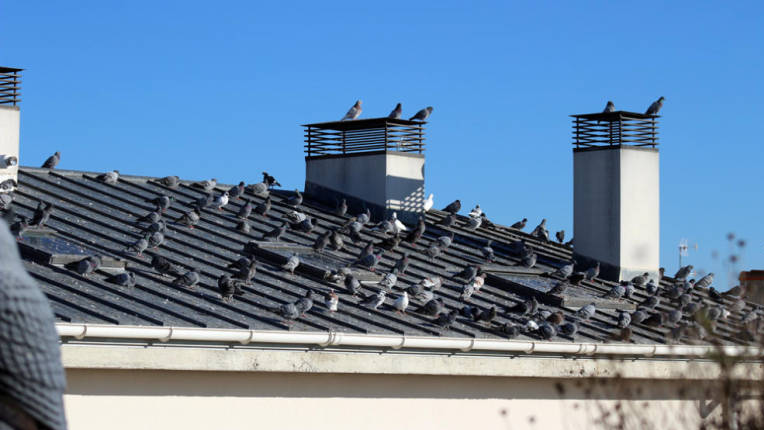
x,y
137,399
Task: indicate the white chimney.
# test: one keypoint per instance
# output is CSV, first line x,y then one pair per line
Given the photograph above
x,y
375,163
10,80
616,193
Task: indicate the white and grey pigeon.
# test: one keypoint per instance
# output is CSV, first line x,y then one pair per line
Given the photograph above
x,y
291,264
624,319
354,112
422,115
655,107
207,185
610,107
616,292
375,300
432,283
390,279
220,201
401,303
398,226
473,223
586,311
683,272
428,202
476,211
109,177
332,300
396,113
705,281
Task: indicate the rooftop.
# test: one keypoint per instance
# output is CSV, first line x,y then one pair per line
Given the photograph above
x,y
92,217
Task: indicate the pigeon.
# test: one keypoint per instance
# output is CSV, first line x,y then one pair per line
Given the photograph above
x,y
306,302
228,287
259,189
159,226
568,328
638,316
530,260
149,218
422,115
445,241
433,251
531,325
375,300
352,285
705,281
19,227
269,180
476,212
650,302
565,271
520,224
306,225
8,185
508,330
540,231
164,267
486,316
402,263
52,161
616,292
336,241
691,308
446,320
188,279
220,201
447,221
5,201
623,335
162,203
236,191
206,185
418,293
593,272
624,319
641,279
401,303
416,233
288,311
610,107
556,318
468,273
651,288
433,307
125,279
547,331
432,283
41,214
109,177
190,218
247,272
276,233
527,307
291,264
674,317
487,252
354,112
560,236
737,306
684,300
655,107
364,218
156,239
453,207
332,300
467,291
587,311
245,210
683,272
485,222
203,201
139,246
341,208
396,113
295,200
239,264
389,280
473,223
170,181
398,226
85,266
264,207
321,241
390,243
714,295
750,316
558,289
654,320
428,202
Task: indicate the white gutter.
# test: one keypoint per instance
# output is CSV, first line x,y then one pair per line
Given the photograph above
x,y
332,338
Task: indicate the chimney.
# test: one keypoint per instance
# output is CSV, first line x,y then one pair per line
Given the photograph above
x,y
10,80
375,163
616,204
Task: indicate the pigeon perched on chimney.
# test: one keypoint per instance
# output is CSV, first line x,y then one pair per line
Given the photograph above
x,y
655,107
354,112
52,161
109,177
610,107
396,113
422,115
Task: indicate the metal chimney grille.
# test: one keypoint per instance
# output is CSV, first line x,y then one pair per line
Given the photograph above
x,y
10,83
364,135
615,128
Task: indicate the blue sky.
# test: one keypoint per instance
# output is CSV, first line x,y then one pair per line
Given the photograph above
x,y
202,89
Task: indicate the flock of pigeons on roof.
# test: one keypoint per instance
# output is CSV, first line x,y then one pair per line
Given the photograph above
x,y
690,316
355,111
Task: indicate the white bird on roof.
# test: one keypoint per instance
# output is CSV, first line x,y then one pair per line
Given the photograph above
x,y
476,212
398,226
221,201
427,205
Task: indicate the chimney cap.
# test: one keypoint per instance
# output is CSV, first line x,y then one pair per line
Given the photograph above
x,y
357,124
609,129
9,69
614,116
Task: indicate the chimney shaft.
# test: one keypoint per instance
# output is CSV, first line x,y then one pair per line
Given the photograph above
x,y
616,193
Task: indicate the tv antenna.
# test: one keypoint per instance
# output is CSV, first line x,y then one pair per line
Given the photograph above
x,y
684,250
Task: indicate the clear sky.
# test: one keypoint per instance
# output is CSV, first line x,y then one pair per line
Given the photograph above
x,y
218,89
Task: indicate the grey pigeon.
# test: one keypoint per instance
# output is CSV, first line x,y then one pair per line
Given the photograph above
x,y
162,203
354,112
242,262
164,267
159,226
432,283
445,241
31,375
245,210
433,251
616,292
396,113
188,279
683,272
422,115
288,311
156,239
540,231
5,200
41,214
651,288
467,291
650,302
170,181
638,316
291,264
375,300
243,226
190,218
52,161
259,189
674,316
389,280
610,107
236,191
487,252
341,208
322,241
560,236
453,207
558,289
149,218
365,217
207,185
527,307
468,273
125,279
447,221
336,241
530,260
203,201
624,319
655,107
264,207
705,281
352,284
520,224
486,315
295,200
547,331
568,328
247,272
402,264
139,246
86,265
19,227
508,330
306,302
565,271
8,185
587,311
433,307
654,320
276,233
109,177
593,272
473,223
641,279
229,287
270,181
446,320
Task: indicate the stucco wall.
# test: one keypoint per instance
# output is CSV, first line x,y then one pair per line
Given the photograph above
x,y
147,399
9,139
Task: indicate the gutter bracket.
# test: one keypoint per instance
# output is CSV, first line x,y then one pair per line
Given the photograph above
x,y
469,348
84,332
168,337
